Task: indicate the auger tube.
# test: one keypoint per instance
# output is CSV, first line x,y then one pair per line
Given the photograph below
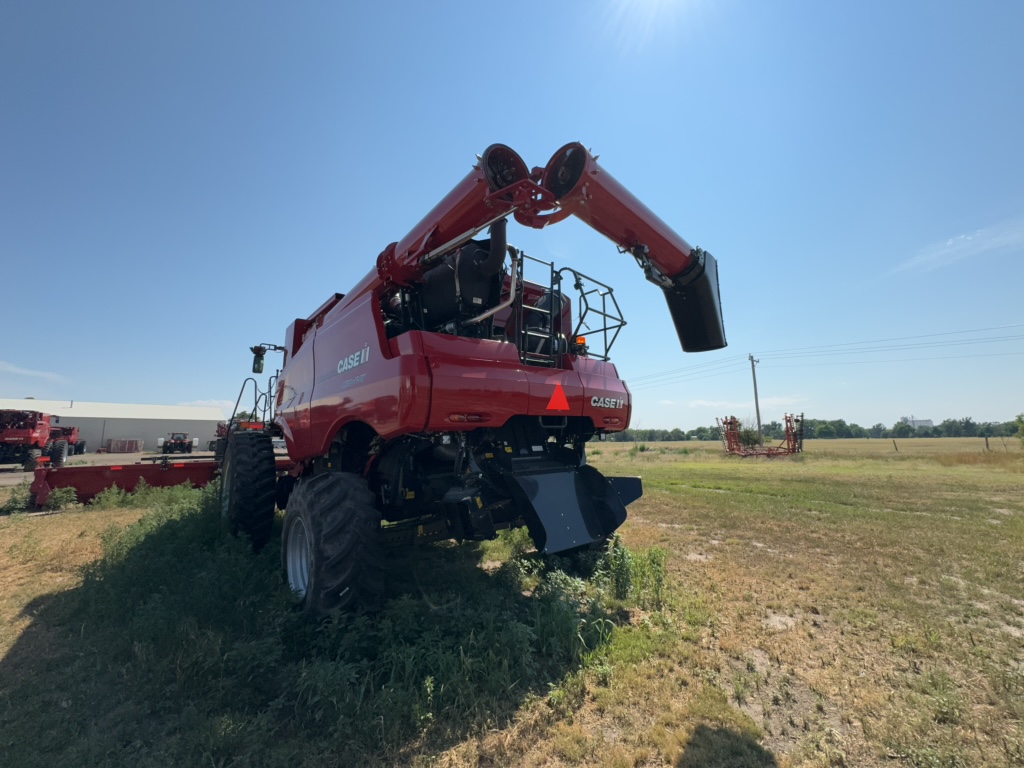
x,y
688,276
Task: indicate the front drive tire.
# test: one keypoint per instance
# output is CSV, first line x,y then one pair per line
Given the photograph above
x,y
248,480
331,544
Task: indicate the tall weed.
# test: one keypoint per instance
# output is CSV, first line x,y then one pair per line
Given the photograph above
x,y
18,501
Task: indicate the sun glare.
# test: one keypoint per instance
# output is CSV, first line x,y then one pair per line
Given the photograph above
x,y
636,24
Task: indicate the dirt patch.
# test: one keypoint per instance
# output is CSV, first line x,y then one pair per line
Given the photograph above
x,y
778,622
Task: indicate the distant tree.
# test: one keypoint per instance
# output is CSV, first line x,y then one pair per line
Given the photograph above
x,y
878,430
677,434
825,431
968,428
950,428
842,429
902,430
856,430
773,430
243,416
1020,427
700,433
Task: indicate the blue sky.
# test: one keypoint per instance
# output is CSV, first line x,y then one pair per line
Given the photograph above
x,y
179,181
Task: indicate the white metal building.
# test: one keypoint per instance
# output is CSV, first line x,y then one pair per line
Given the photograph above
x,y
99,422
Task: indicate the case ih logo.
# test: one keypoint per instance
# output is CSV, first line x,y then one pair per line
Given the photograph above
x,y
354,360
606,402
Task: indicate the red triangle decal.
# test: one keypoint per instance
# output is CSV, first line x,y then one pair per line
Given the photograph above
x,y
558,401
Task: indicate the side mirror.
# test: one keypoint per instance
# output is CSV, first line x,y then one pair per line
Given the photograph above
x,y
257,359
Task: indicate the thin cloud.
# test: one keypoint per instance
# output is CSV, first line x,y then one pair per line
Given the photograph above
x,y
666,402
1002,238
6,367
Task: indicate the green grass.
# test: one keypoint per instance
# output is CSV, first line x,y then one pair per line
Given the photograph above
x,y
179,647
846,607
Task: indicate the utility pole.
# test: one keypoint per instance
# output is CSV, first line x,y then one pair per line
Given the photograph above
x,y
757,406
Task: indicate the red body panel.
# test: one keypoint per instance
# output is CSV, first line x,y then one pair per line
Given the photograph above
x,y
34,434
418,381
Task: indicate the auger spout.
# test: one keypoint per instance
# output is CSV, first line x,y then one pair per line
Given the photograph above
x,y
688,276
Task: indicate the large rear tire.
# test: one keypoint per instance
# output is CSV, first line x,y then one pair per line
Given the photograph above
x,y
331,544
248,480
58,453
32,460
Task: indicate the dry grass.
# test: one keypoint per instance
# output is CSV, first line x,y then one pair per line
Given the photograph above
x,y
853,606
43,553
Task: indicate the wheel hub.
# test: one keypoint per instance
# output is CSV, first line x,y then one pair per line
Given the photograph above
x,y
299,557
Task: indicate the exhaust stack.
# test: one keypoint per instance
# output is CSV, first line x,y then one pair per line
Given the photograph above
x,y
471,206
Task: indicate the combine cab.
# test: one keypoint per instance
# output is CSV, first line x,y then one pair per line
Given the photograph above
x,y
452,392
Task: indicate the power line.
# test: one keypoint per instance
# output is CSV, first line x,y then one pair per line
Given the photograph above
x,y
904,360
708,365
732,364
897,338
654,384
895,347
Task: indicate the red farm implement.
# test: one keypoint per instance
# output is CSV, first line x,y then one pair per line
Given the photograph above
x,y
732,437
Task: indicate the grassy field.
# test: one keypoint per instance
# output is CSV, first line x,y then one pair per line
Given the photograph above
x,y
852,606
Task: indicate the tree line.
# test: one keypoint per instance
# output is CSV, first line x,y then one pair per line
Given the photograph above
x,y
835,429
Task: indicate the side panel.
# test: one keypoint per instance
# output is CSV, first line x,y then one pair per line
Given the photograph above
x,y
358,379
479,378
294,392
608,402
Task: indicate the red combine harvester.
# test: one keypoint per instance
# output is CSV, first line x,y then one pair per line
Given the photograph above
x,y
31,438
448,396
452,391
